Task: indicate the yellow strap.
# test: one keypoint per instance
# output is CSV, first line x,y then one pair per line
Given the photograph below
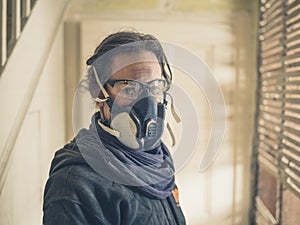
x,y
171,134
175,115
109,130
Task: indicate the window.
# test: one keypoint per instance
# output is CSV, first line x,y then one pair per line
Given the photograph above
x,y
277,138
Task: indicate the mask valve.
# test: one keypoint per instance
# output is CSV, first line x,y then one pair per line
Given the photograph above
x,y
151,129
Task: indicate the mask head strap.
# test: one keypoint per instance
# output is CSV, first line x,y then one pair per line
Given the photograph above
x,y
101,88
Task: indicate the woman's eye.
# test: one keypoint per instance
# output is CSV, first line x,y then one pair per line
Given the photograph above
x,y
129,91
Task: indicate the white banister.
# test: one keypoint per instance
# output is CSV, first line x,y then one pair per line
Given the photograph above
x,y
3,31
17,14
14,14
27,7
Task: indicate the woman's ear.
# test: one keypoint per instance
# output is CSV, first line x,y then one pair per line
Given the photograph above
x,y
104,110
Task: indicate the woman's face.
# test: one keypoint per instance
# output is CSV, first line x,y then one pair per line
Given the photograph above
x,y
141,66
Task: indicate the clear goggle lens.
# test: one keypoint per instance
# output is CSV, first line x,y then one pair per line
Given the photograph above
x,y
132,89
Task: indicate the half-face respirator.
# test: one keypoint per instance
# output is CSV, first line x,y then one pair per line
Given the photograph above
x,y
140,124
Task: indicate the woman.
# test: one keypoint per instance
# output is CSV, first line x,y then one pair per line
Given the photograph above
x,y
119,171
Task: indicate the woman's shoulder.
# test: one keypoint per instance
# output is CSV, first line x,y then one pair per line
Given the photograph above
x,y
80,181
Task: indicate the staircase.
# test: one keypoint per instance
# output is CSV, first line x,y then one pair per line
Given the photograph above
x,y
14,15
31,59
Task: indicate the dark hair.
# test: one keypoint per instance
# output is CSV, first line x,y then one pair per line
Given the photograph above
x,y
124,42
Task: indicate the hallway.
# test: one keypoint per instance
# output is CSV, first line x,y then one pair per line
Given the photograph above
x,y
254,176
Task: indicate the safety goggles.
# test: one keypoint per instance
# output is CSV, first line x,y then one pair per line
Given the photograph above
x,y
132,89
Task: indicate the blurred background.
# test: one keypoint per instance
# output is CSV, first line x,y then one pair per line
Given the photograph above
x,y
253,51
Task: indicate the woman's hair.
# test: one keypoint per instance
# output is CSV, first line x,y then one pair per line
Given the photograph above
x,y
117,43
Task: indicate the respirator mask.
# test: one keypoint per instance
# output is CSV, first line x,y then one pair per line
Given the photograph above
x,y
139,124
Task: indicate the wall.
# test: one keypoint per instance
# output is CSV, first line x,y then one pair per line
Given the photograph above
x,y
172,5
21,196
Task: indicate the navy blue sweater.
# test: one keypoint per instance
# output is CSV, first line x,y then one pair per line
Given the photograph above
x,y
77,195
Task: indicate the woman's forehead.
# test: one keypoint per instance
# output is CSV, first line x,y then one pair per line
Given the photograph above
x,y
135,66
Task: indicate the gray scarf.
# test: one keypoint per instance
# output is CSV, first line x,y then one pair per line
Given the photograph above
x,y
150,172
